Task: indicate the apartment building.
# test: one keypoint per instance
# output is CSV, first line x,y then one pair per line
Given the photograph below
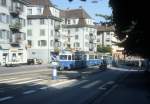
x,y
78,30
106,37
13,32
43,29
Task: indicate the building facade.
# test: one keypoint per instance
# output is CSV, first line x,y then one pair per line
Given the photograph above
x,y
13,32
43,29
106,37
78,30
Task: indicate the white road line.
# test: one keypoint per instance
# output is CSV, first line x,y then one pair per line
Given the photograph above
x,y
43,88
2,80
81,82
64,82
34,80
37,83
29,92
91,84
103,87
110,82
16,80
6,98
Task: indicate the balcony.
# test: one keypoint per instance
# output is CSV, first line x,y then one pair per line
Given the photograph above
x,y
17,38
15,26
57,27
15,11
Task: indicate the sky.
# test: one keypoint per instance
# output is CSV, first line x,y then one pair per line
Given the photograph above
x,y
101,7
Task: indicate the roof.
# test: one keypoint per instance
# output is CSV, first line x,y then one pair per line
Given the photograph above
x,y
40,2
104,28
43,17
75,13
80,14
46,12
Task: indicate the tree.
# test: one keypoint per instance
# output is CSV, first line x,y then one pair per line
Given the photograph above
x,y
131,23
104,49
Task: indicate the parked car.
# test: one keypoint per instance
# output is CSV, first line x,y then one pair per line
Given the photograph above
x,y
34,61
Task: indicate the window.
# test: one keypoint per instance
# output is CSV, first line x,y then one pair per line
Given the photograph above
x,y
87,36
76,37
3,2
51,43
30,43
68,21
42,22
42,32
74,21
69,57
52,22
68,31
76,29
86,44
29,32
52,32
4,34
42,43
29,11
4,18
76,44
39,10
91,56
29,22
63,57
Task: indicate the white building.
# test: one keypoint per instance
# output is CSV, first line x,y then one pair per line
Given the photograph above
x,y
43,29
78,30
12,32
106,37
105,34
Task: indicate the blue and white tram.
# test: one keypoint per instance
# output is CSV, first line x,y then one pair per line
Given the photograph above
x,y
92,59
72,60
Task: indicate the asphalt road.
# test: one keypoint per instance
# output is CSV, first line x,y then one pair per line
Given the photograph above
x,y
22,69
80,91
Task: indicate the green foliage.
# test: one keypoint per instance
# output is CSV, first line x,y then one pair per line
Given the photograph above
x,y
104,49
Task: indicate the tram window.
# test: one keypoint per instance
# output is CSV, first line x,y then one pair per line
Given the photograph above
x,y
69,57
76,57
85,57
63,57
95,57
91,56
73,57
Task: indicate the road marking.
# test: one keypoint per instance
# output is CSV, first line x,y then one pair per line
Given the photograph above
x,y
110,82
6,98
91,84
16,80
65,82
81,82
43,88
2,80
37,83
34,80
29,92
103,87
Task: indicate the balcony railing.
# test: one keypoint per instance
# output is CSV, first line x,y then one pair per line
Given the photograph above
x,y
17,38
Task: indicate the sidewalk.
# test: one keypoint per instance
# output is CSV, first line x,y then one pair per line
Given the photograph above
x,y
135,89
